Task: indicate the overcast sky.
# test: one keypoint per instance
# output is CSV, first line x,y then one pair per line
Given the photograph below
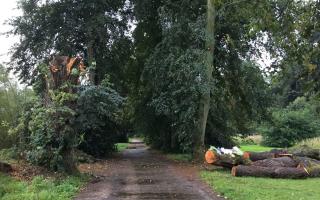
x,y
7,10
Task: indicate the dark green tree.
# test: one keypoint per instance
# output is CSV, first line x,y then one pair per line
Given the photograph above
x,y
96,29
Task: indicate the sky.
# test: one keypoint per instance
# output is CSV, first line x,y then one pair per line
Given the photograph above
x,y
7,10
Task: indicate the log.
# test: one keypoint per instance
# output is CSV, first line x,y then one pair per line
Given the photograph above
x,y
5,168
306,151
276,162
273,172
255,156
224,160
311,165
210,157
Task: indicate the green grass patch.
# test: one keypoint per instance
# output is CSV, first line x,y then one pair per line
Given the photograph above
x,y
255,148
180,157
250,188
122,146
40,188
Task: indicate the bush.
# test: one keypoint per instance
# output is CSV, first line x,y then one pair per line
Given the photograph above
x,y
296,122
98,120
47,134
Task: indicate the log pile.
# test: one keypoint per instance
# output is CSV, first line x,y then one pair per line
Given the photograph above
x,y
298,163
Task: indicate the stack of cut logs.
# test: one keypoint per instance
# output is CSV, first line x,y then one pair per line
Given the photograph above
x,y
298,163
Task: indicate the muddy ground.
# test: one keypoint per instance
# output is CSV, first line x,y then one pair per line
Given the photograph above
x,y
139,173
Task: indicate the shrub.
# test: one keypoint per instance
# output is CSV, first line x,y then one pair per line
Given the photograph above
x,y
47,134
52,134
296,122
98,119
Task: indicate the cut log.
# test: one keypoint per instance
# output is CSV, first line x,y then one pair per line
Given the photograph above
x,y
273,172
276,162
224,160
306,151
311,165
5,168
210,157
255,156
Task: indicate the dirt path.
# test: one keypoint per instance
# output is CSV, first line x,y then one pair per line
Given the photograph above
x,y
139,173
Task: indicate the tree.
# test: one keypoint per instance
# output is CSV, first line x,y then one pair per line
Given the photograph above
x,y
177,76
12,99
95,29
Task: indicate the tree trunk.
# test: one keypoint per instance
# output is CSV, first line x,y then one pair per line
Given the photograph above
x,y
204,105
69,161
306,151
276,162
273,172
311,165
5,168
224,160
92,69
255,156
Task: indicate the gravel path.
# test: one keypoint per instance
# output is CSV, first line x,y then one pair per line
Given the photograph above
x,y
139,173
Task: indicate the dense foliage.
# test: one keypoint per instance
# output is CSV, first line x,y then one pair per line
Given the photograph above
x,y
12,99
98,119
298,121
167,111
186,75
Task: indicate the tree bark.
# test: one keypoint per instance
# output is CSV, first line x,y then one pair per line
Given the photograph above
x,y
306,152
204,105
90,59
255,156
276,162
273,172
224,160
69,163
311,165
5,168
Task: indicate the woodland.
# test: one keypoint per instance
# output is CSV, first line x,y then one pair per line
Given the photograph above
x,y
182,74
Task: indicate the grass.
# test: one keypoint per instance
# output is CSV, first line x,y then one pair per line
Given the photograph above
x,y
40,188
180,157
250,188
313,143
255,148
122,146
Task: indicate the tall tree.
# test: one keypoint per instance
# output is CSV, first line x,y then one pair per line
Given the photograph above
x,y
204,105
95,29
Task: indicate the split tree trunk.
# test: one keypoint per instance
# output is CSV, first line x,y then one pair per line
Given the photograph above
x,y
273,172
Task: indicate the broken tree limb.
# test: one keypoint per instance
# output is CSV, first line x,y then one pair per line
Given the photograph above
x,y
276,162
273,172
